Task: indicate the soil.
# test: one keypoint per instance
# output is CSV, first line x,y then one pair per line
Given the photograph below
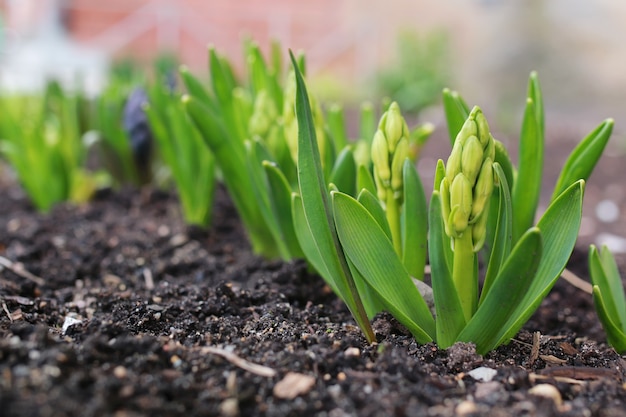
x,y
131,313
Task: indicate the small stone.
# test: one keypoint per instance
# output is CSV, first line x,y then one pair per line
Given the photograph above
x,y
120,372
229,407
293,385
547,391
341,376
68,322
352,352
466,408
487,389
482,374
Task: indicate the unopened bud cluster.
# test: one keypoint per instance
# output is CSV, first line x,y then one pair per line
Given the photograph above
x,y
468,183
390,147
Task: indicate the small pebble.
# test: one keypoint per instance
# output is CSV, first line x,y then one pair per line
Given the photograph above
x,y
547,391
68,322
292,385
482,374
352,352
487,389
466,408
120,372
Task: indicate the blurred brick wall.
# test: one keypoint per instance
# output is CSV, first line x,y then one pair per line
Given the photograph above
x,y
326,29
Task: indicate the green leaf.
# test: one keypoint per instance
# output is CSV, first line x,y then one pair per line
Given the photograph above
x,y
364,180
414,222
534,93
231,158
372,204
281,204
307,243
527,187
584,157
501,247
506,294
257,155
343,174
317,209
616,336
559,228
371,252
450,318
502,158
605,274
456,111
196,89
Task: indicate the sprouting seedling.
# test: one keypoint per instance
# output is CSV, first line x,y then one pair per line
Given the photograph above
x,y
608,296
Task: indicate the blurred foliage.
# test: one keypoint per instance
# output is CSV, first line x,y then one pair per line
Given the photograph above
x,y
418,73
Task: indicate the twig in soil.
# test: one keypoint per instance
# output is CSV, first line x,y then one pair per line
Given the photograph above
x,y
19,270
6,310
534,351
147,276
576,281
254,368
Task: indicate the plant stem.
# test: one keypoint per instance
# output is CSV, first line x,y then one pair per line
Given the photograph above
x,y
463,274
393,218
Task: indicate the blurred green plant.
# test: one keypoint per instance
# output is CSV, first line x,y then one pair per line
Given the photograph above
x,y
181,147
608,296
419,72
351,240
41,139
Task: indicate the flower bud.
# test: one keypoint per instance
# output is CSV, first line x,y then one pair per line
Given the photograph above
x,y
460,204
482,189
399,156
479,230
380,157
483,128
394,126
471,158
468,129
453,165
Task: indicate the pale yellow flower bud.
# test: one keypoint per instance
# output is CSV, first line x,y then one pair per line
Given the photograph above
x,y
471,158
460,204
469,129
453,166
482,189
399,156
380,157
479,230
483,128
394,126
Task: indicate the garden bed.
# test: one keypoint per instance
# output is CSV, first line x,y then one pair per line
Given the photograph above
x,y
131,313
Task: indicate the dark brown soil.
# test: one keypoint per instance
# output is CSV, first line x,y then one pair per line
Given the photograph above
x,y
178,322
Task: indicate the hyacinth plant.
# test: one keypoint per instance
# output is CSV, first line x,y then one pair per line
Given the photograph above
x,y
251,128
350,239
240,124
41,138
609,296
181,147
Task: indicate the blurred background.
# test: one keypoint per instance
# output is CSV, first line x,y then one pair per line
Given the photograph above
x,y
358,50
482,48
